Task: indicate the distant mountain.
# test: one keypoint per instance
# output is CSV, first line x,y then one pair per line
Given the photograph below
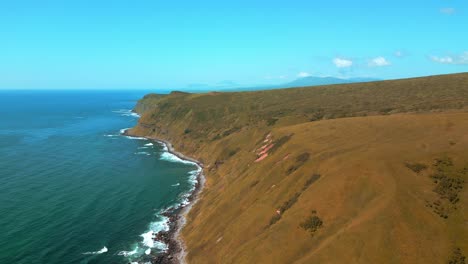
x,y
306,81
313,81
229,86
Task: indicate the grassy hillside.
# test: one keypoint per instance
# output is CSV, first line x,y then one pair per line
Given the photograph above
x,y
355,173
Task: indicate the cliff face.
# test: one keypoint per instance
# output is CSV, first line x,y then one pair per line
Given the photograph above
x,y
324,174
147,103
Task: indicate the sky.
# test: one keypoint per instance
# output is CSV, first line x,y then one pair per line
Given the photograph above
x,y
146,44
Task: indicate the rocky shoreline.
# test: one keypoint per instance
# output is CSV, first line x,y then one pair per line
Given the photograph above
x,y
176,252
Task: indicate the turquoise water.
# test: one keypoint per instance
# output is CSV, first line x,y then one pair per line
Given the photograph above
x,y
72,190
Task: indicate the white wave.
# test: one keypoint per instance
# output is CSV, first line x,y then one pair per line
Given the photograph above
x,y
103,250
193,175
122,131
160,246
167,156
136,138
148,242
142,153
154,228
126,112
184,200
128,253
111,135
161,225
193,180
148,238
165,149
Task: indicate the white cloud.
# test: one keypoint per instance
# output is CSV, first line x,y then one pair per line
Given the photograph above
x,y
399,53
447,10
456,59
342,63
444,60
304,74
379,62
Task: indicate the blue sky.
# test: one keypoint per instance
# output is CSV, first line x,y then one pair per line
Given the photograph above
x,y
175,44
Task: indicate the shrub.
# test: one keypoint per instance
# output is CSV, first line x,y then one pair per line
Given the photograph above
x,y
275,219
457,257
303,157
272,121
386,110
233,152
416,167
253,184
230,131
311,180
300,160
284,207
312,223
281,141
289,203
448,182
317,116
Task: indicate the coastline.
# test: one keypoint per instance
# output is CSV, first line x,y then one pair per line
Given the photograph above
x,y
176,251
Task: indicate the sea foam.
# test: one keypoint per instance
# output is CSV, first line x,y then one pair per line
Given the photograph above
x,y
148,242
142,153
128,253
154,228
126,112
103,250
136,138
123,130
167,156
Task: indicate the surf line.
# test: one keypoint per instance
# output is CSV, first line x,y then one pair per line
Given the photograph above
x,y
176,214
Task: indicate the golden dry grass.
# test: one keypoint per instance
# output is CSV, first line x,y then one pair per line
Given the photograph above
x,y
374,208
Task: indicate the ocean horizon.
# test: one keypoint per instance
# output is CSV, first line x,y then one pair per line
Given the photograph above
x,y
73,189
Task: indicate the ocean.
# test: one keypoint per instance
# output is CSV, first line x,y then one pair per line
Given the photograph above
x,y
73,189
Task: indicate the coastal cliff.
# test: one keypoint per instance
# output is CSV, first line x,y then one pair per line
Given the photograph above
x,y
356,173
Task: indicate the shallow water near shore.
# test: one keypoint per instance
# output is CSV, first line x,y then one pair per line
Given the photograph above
x,y
72,189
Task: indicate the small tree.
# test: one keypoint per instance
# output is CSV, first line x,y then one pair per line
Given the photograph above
x,y
312,223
